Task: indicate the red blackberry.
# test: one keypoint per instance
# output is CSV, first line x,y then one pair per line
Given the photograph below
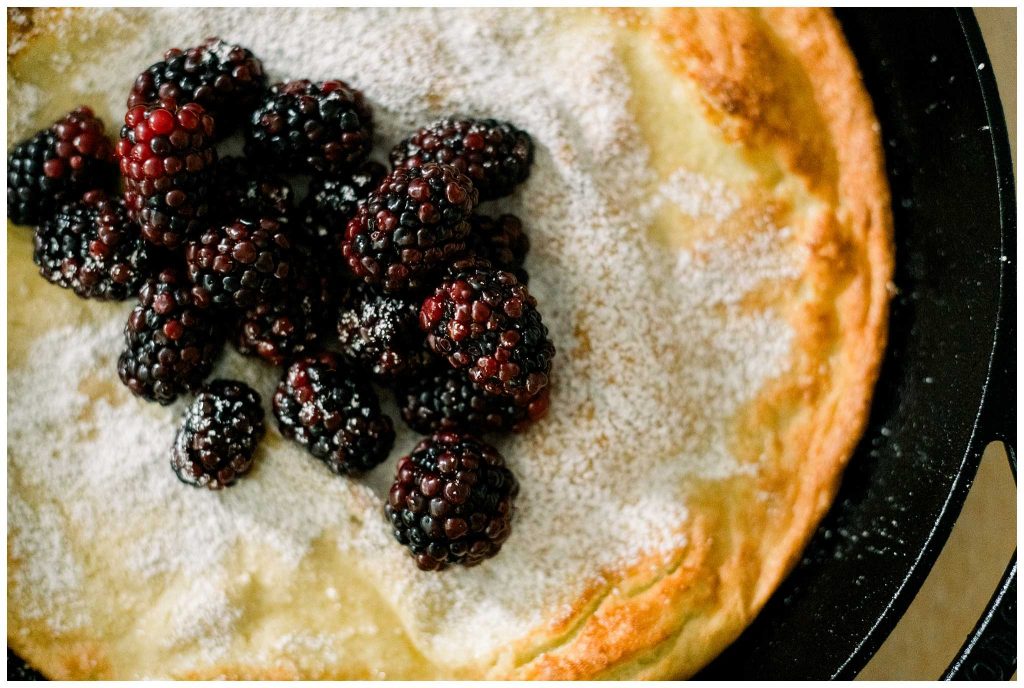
x,y
494,154
302,126
58,165
452,501
90,247
227,80
380,333
172,339
245,189
502,241
446,399
414,222
484,320
334,414
167,162
241,263
332,201
216,442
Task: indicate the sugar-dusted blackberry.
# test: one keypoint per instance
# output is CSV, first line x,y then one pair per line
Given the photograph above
x,y
501,240
332,202
416,221
216,442
241,263
294,321
245,189
57,165
446,399
227,80
167,161
494,154
482,319
334,413
452,501
380,333
172,339
90,247
315,128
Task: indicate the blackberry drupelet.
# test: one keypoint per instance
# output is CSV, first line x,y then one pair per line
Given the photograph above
x,y
227,80
57,165
484,320
216,442
415,222
334,414
495,155
502,241
245,189
446,399
314,128
167,161
380,333
90,247
452,501
332,201
242,263
172,339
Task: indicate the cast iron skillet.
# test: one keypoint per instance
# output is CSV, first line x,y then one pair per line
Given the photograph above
x,y
948,382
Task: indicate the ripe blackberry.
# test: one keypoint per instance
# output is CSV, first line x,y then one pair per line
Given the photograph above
x,y
380,333
57,165
245,189
172,339
334,414
452,501
484,320
446,399
308,127
241,263
216,442
227,80
332,201
292,322
494,154
167,162
416,220
502,241
90,247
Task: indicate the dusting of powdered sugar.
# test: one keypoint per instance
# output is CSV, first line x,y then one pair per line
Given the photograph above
x,y
656,352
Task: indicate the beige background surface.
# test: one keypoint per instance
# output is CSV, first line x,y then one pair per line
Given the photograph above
x,y
985,536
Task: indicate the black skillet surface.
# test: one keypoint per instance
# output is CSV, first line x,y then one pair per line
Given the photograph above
x,y
948,382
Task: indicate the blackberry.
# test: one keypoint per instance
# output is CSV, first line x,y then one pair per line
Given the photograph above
x,y
227,80
307,127
484,320
216,442
292,322
416,220
452,501
446,399
332,201
494,154
502,241
245,189
380,333
241,263
90,247
334,414
172,339
167,162
57,165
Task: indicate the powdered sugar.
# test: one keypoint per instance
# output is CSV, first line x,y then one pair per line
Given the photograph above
x,y
656,351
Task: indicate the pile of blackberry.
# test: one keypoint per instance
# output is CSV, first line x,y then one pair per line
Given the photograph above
x,y
380,277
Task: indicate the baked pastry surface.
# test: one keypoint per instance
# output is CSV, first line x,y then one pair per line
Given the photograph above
x,y
712,249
